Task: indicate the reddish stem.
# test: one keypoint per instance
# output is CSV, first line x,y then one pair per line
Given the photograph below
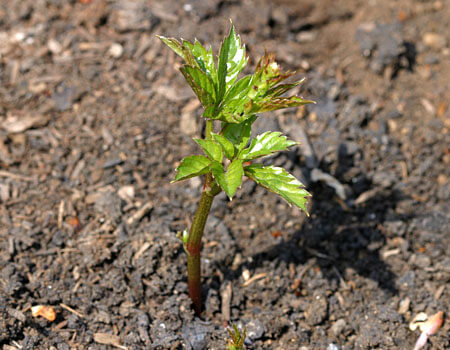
x,y
193,245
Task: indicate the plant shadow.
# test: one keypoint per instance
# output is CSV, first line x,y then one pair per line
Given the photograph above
x,y
338,237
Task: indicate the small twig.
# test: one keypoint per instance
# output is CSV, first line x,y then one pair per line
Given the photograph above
x,y
5,173
318,254
68,308
306,268
60,214
254,278
138,215
17,345
141,251
341,279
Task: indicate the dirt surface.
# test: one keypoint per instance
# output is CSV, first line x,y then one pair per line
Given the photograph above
x,y
94,117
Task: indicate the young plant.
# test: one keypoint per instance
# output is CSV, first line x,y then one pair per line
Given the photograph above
x,y
236,339
229,152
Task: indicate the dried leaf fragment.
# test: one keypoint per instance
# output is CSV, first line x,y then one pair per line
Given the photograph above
x,y
108,339
427,325
432,325
48,312
418,320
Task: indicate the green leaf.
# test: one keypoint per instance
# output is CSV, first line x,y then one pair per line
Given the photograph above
x,y
192,166
226,145
238,91
204,59
280,89
211,149
230,180
279,181
174,44
239,134
272,104
232,61
181,50
232,108
201,84
266,144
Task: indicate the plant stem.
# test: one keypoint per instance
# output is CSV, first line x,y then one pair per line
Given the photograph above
x,y
208,129
193,245
194,242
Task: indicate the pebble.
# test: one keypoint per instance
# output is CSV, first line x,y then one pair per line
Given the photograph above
x,y
54,47
126,193
109,204
306,37
115,50
406,281
422,261
332,346
64,97
431,59
348,149
394,114
317,311
255,329
338,327
385,39
434,40
4,192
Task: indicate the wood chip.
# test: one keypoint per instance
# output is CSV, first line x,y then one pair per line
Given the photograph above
x,y
439,292
404,306
15,124
226,295
108,339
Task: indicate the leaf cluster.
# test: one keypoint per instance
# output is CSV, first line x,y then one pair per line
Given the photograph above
x,y
236,341
236,102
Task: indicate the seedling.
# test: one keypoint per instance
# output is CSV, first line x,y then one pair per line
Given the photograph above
x,y
236,341
229,152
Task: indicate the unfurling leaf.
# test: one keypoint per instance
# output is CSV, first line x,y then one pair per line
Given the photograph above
x,y
265,144
279,181
192,166
258,93
211,149
230,179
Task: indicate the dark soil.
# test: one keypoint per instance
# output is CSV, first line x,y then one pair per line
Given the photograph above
x,y
94,117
